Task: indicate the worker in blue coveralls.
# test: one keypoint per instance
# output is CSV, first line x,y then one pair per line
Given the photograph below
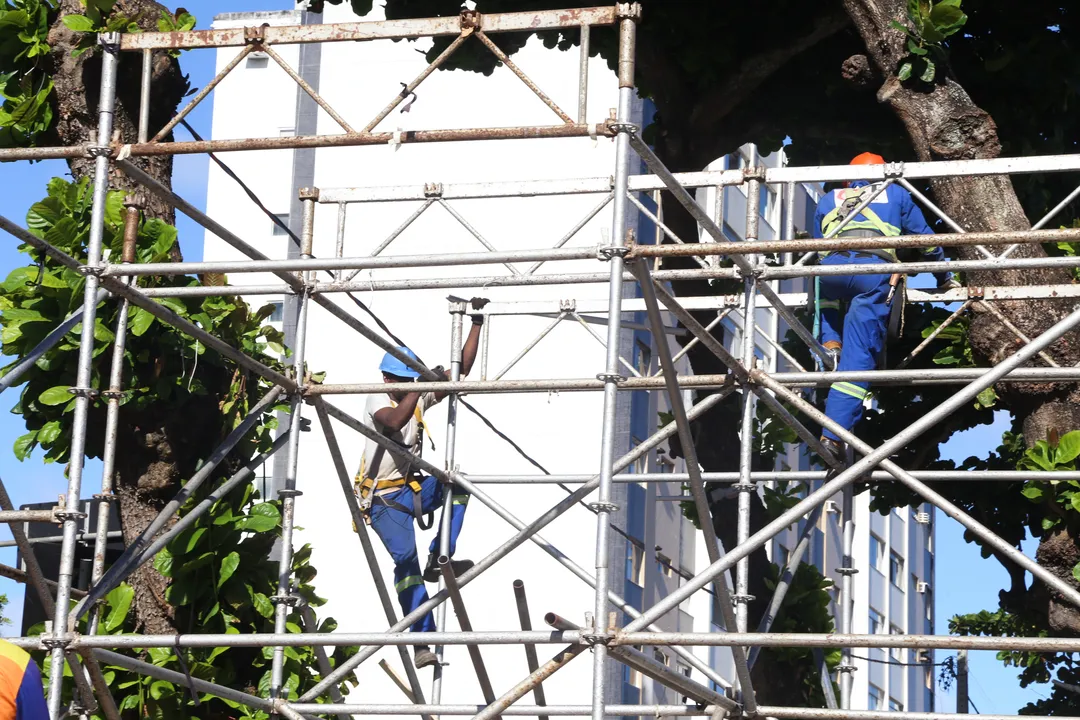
x,y
857,345
393,493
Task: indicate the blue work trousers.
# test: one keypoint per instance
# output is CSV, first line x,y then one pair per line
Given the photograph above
x,y
863,335
395,528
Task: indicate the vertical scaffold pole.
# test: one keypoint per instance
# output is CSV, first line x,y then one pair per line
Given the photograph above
x,y
746,449
847,596
628,14
284,599
110,57
457,314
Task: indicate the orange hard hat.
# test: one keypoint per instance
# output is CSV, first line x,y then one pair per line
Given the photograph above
x,y
867,159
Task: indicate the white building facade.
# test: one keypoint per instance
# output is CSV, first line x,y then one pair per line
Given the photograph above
x,y
654,546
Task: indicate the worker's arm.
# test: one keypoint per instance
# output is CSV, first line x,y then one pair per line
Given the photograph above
x,y
472,343
824,206
395,418
913,222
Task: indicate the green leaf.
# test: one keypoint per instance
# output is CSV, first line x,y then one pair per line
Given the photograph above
x,y
56,395
1068,448
140,321
228,567
262,518
175,304
263,606
163,562
78,23
119,601
896,25
914,48
1033,493
193,541
930,71
905,72
1076,571
987,398
49,432
24,444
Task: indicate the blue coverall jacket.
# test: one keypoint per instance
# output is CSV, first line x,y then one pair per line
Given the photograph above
x,y
864,328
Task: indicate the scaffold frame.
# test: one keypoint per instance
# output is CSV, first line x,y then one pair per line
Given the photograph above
x,y
627,262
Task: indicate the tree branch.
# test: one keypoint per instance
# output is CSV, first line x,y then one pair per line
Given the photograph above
x,y
756,69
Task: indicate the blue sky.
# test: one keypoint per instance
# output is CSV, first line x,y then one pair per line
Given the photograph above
x,y
965,582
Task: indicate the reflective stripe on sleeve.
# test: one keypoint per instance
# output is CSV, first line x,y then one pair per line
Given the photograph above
x,y
852,389
408,582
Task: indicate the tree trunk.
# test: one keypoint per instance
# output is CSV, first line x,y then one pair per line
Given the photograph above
x,y
148,468
944,123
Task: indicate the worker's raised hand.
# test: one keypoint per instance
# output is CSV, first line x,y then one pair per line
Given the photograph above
x,y
949,283
441,372
478,303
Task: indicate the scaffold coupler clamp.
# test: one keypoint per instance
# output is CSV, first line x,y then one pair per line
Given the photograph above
x,y
847,571
85,392
743,599
51,641
470,20
592,636
894,170
628,11
757,172
433,190
567,306
109,41
610,252
608,507
611,377
255,35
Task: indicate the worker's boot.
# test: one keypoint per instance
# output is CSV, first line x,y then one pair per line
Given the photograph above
x,y
423,657
431,570
832,349
837,448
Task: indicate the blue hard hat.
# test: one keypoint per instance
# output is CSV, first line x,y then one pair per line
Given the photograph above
x,y
391,365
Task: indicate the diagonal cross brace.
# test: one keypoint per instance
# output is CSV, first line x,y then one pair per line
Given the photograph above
x,y
857,470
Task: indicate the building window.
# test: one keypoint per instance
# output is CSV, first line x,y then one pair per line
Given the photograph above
x,y
896,570
685,670
928,678
635,565
896,653
877,553
278,313
899,514
895,705
877,622
660,657
257,61
278,229
286,132
876,695
929,604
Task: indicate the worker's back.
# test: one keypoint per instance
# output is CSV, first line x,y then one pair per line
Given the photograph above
x,y
21,694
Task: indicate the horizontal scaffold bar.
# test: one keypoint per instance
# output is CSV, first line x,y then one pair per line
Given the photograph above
x,y
594,253
562,637
709,178
773,476
795,379
192,147
372,30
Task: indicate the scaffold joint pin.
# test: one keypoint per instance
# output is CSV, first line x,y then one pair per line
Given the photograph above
x,y
604,507
611,377
628,11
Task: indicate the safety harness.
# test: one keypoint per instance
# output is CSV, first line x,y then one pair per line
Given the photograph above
x,y
872,226
370,492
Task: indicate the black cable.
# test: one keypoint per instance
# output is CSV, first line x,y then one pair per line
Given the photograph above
x,y
898,663
972,704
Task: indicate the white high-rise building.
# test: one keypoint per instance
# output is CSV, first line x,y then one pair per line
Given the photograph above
x,y
655,546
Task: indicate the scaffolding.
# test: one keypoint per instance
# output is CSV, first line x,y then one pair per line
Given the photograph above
x,y
626,263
